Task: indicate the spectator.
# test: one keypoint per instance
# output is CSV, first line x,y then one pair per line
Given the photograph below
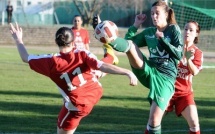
x,y
9,10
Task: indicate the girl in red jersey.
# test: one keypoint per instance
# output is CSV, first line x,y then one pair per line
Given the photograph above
x,y
82,38
71,70
190,65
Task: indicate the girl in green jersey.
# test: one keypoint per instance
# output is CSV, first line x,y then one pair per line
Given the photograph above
x,y
158,73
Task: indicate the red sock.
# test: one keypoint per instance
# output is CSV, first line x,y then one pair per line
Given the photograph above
x,y
146,131
108,58
198,132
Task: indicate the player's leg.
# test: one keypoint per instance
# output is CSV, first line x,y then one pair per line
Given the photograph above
x,y
109,56
154,122
68,120
133,52
168,110
191,115
61,131
186,107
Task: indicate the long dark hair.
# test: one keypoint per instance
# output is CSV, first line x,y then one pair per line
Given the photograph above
x,y
64,36
171,15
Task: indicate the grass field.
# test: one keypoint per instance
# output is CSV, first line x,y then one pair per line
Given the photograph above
x,y
29,102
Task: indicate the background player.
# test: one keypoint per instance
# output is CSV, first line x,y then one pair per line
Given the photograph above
x,y
70,70
190,65
82,38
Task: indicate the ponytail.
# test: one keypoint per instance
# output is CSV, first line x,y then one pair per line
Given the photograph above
x,y
171,15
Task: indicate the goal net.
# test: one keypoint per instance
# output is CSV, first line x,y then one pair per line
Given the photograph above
x,y
185,11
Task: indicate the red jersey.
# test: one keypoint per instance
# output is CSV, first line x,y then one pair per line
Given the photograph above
x,y
81,38
183,84
72,73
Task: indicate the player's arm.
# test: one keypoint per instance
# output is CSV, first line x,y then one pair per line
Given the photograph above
x,y
87,47
138,39
175,49
112,69
87,40
16,32
194,61
193,69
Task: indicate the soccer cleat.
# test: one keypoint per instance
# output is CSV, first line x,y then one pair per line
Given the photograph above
x,y
108,49
96,21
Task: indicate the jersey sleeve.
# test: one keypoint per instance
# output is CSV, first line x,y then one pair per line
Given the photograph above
x,y
138,39
198,59
176,47
40,63
92,61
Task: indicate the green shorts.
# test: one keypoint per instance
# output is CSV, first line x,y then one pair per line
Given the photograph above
x,y
161,86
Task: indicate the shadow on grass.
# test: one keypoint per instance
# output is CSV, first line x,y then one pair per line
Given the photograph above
x,y
31,94
26,117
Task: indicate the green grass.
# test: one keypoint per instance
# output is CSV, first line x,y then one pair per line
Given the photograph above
x,y
29,102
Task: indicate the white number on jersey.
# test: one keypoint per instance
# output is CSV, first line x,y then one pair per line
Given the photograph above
x,y
68,81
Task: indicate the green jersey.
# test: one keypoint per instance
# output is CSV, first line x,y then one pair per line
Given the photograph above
x,y
164,52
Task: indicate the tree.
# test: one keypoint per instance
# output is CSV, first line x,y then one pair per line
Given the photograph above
x,y
89,8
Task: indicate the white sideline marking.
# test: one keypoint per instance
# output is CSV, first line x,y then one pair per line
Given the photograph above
x,y
208,66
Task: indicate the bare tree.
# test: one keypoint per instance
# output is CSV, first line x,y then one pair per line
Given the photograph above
x,y
89,8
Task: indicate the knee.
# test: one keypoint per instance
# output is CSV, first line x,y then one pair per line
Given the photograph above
x,y
193,123
154,122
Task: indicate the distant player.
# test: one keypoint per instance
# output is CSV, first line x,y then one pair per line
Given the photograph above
x,y
82,38
71,70
189,66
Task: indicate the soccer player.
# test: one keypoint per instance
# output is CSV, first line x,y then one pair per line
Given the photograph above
x,y
82,38
189,66
70,70
158,73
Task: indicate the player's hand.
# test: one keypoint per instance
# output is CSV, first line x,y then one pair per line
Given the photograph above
x,y
159,34
133,79
139,19
189,54
96,21
16,32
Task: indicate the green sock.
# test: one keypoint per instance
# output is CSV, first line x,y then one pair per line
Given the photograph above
x,y
120,45
155,130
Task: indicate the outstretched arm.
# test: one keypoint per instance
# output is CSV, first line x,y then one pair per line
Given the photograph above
x,y
16,32
112,69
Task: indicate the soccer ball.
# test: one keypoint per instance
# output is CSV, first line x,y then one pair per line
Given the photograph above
x,y
106,31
